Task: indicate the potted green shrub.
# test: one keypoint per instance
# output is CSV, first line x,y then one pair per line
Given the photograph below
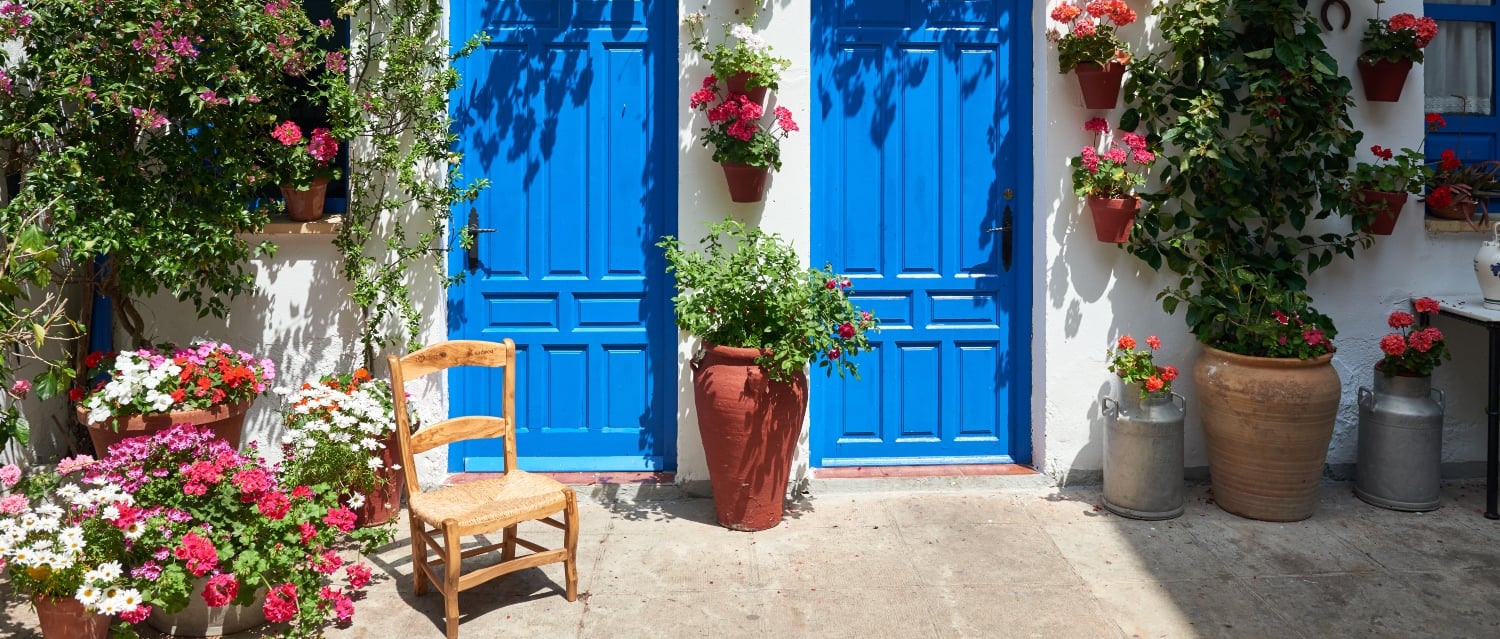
x,y
1091,49
763,317
742,59
1380,188
1251,116
1391,47
341,438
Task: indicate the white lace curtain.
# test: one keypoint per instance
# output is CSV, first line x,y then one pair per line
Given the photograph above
x,y
1459,66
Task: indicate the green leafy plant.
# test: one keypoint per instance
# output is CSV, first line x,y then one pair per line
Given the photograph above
x,y
31,313
1402,37
740,51
403,179
1412,351
1138,367
139,127
1453,181
1090,38
1112,172
1251,116
748,289
1392,172
735,131
170,379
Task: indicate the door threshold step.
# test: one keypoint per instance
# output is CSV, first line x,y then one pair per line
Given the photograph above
x,y
577,479
940,470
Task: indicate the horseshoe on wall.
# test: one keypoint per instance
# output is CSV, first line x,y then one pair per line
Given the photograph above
x,y
1342,4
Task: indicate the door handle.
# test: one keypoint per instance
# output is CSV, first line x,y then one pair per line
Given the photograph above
x,y
473,229
1007,236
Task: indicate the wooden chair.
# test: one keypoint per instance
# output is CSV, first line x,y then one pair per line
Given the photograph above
x,y
477,507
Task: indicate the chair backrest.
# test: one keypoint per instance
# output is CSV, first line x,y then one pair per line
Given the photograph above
x,y
440,357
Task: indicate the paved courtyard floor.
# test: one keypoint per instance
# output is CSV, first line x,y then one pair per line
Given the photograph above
x,y
973,557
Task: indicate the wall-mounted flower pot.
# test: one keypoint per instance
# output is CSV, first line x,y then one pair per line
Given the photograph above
x,y
1387,208
738,82
1113,217
1100,84
305,205
1383,79
746,183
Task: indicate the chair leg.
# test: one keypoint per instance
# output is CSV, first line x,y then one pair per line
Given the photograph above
x,y
570,541
508,548
418,559
452,559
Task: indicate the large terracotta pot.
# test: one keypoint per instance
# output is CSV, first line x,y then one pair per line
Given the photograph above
x,y
199,620
1100,84
384,502
749,426
225,420
66,618
746,183
1383,80
1386,206
1266,422
1113,217
737,84
305,205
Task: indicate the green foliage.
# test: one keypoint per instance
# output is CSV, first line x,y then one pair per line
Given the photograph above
x,y
1090,39
1392,172
735,131
1138,367
740,51
1411,350
403,182
335,427
140,128
748,289
1252,118
1113,172
31,312
1402,37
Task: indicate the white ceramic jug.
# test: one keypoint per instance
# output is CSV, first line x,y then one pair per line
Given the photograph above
x,y
1487,269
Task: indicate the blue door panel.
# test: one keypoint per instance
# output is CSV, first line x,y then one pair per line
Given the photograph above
x,y
915,160
560,111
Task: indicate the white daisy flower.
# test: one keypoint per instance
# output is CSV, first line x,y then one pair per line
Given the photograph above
x,y
356,500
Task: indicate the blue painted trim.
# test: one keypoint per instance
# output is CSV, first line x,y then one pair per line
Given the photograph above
x,y
560,464
834,462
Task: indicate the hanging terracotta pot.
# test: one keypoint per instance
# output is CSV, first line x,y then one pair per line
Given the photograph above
x,y
1100,84
66,618
1113,217
1460,209
738,83
746,183
225,420
1267,422
384,502
1386,206
749,426
1383,79
305,205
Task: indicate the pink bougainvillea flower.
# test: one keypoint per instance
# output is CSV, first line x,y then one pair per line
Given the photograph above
x,y
847,330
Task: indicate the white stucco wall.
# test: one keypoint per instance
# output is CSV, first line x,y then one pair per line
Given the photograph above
x,y
1089,293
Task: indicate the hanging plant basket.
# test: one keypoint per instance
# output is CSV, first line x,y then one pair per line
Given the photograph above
x,y
738,83
1382,79
1113,217
746,183
1387,206
1100,84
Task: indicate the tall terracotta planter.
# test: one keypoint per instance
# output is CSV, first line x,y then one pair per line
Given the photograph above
x,y
225,420
746,183
1100,84
384,502
749,426
305,205
1387,208
1113,217
738,82
66,618
1382,79
1267,423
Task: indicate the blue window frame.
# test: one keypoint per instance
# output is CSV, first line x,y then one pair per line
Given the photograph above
x,y
1459,73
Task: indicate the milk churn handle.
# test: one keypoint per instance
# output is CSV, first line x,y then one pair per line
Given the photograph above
x,y
1367,397
1111,407
1180,401
1442,398
1497,231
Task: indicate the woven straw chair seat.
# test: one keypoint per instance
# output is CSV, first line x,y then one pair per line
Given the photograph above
x,y
511,497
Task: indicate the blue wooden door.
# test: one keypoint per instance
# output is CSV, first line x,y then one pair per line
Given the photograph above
x,y
567,111
921,178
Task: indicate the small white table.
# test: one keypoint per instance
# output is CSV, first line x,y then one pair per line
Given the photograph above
x,y
1469,308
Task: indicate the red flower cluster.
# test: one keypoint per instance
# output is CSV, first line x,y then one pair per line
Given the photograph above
x,y
1425,28
340,518
1409,351
281,603
198,552
1137,367
1441,197
1116,10
220,590
1382,152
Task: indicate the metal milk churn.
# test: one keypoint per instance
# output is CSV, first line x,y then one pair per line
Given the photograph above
x,y
1400,443
1143,454
1487,270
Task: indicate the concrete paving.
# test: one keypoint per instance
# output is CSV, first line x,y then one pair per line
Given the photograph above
x,y
969,557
